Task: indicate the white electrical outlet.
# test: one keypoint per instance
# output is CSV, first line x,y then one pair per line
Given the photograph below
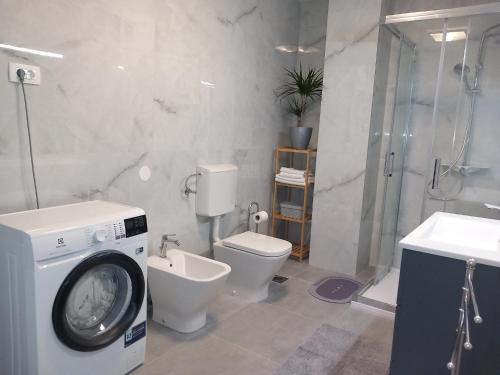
x,y
32,73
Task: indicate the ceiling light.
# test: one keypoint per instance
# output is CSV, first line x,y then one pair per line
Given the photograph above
x,y
287,49
308,50
208,84
32,51
451,36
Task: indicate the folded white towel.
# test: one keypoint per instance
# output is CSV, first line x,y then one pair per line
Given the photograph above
x,y
294,176
290,181
292,171
294,181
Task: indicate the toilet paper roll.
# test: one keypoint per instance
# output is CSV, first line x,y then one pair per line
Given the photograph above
x,y
260,217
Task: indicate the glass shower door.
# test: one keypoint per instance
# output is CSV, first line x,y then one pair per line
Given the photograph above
x,y
394,159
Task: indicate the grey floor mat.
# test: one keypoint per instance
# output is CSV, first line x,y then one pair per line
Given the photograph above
x,y
334,351
335,289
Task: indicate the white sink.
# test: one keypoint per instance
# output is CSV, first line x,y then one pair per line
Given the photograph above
x,y
457,236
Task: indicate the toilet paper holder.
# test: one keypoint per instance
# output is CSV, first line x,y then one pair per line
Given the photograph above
x,y
250,213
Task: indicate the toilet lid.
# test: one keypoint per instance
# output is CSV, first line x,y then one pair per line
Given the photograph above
x,y
258,244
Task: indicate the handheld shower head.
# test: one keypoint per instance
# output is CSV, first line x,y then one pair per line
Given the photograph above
x,y
463,70
459,68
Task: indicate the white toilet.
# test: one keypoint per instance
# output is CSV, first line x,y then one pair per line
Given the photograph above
x,y
182,285
254,258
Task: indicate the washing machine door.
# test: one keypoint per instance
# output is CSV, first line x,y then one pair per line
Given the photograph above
x,y
98,301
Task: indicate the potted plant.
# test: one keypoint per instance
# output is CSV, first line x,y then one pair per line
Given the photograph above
x,y
301,90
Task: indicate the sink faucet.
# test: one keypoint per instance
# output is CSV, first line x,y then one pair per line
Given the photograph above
x,y
492,206
164,244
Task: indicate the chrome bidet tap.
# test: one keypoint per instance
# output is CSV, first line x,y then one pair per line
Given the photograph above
x,y
164,245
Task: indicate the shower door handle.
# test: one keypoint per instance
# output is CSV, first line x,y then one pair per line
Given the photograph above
x,y
389,164
436,174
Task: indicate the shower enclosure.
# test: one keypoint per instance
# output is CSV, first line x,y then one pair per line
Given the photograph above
x,y
441,131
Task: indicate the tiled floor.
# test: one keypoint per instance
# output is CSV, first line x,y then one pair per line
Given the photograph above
x,y
257,338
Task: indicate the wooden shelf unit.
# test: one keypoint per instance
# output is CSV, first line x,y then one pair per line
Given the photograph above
x,y
300,250
278,216
293,185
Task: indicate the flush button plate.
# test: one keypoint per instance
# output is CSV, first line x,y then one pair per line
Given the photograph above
x,y
32,76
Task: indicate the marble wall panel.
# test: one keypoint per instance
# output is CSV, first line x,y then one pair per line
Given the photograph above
x,y
344,136
158,83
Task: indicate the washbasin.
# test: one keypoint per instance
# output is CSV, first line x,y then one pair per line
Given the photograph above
x,y
457,236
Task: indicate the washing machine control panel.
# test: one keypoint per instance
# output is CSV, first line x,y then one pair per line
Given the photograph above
x,y
94,237
116,230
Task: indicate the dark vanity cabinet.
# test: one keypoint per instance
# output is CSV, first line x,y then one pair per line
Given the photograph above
x,y
430,293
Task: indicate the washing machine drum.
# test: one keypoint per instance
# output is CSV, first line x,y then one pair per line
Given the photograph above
x,y
98,301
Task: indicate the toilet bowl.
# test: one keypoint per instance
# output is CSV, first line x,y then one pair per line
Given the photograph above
x,y
254,259
182,285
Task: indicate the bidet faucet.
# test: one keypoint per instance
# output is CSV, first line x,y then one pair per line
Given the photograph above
x,y
164,243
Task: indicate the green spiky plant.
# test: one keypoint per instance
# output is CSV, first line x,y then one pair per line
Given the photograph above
x,y
301,90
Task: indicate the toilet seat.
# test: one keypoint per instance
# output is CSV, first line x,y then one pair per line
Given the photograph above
x,y
258,244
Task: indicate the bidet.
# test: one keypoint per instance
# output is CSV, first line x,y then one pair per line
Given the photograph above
x,y
182,286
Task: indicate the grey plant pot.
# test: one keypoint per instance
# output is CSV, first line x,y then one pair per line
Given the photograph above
x,y
300,137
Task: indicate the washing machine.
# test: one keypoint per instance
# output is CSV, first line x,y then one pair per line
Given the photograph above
x,y
72,290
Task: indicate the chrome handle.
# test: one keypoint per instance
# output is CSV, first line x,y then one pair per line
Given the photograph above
x,y
467,344
457,347
471,264
436,174
463,340
389,164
